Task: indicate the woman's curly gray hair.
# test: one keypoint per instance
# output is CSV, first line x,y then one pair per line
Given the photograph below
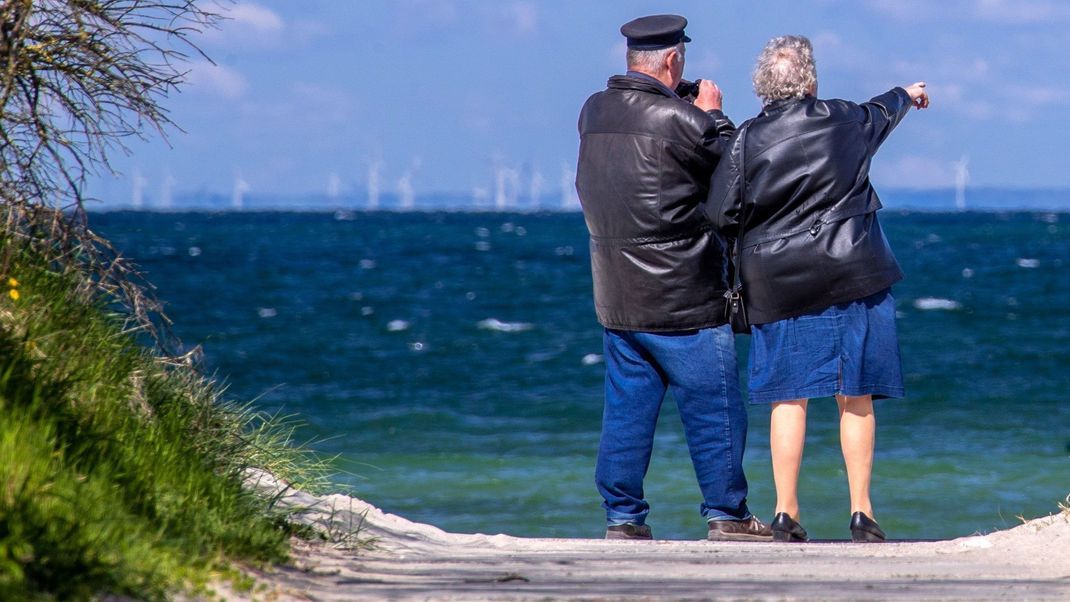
x,y
785,69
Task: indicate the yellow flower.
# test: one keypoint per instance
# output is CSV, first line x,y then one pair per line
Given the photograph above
x,y
12,282
14,294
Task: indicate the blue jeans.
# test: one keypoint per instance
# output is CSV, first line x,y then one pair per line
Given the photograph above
x,y
699,366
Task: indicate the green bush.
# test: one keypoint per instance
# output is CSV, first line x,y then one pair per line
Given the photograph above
x,y
119,472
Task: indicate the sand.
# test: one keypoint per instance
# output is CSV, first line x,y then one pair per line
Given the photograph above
x,y
404,560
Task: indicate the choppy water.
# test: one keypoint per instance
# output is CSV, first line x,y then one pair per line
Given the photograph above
x,y
451,361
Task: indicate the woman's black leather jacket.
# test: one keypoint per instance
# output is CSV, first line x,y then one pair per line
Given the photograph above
x,y
644,169
811,238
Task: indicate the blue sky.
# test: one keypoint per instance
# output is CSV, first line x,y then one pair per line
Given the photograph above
x,y
478,96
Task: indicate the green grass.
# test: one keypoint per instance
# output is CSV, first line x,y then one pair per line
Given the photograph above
x,y
119,473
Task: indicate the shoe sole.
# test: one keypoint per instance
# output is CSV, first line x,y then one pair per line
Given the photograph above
x,y
740,537
787,537
627,538
865,537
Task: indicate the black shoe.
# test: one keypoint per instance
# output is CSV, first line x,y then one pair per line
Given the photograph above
x,y
629,531
751,529
864,528
786,529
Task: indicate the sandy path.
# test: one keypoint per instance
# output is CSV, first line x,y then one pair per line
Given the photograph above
x,y
413,561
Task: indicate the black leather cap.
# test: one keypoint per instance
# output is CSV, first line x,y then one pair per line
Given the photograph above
x,y
655,31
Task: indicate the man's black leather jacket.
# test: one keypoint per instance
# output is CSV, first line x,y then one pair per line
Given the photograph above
x,y
811,238
645,163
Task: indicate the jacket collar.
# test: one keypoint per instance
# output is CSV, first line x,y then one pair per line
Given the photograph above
x,y
642,84
779,106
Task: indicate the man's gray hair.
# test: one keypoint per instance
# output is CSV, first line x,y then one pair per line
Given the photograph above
x,y
785,69
651,60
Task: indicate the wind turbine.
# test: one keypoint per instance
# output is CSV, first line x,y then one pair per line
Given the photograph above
x,y
507,180
334,186
373,184
962,176
569,199
237,196
406,195
137,195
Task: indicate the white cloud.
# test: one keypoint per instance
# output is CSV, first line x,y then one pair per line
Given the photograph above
x,y
247,24
971,88
975,69
216,79
956,98
256,18
987,100
914,171
830,50
961,85
972,83
1023,102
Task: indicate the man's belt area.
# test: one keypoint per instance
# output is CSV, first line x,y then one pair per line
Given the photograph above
x,y
611,241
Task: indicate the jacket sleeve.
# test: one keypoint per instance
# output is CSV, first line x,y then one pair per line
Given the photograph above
x,y
722,207
881,114
719,130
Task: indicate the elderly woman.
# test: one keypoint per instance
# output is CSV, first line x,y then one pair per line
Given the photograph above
x,y
815,268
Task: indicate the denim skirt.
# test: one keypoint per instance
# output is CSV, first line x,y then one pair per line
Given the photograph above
x,y
850,349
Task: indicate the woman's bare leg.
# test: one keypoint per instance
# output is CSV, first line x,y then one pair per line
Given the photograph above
x,y
858,431
787,436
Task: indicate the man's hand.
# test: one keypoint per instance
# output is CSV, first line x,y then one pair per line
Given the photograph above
x,y
918,95
709,96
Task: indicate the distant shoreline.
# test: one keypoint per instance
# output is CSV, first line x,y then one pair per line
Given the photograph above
x,y
343,213
998,199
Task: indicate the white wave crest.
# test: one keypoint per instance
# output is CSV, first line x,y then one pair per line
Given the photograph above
x,y
499,326
591,359
931,303
1025,262
397,325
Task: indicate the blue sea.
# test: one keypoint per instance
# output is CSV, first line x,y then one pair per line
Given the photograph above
x,y
451,362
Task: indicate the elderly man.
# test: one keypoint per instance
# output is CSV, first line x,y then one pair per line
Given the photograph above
x,y
646,157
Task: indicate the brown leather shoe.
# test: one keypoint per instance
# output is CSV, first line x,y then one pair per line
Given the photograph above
x,y
629,531
751,529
